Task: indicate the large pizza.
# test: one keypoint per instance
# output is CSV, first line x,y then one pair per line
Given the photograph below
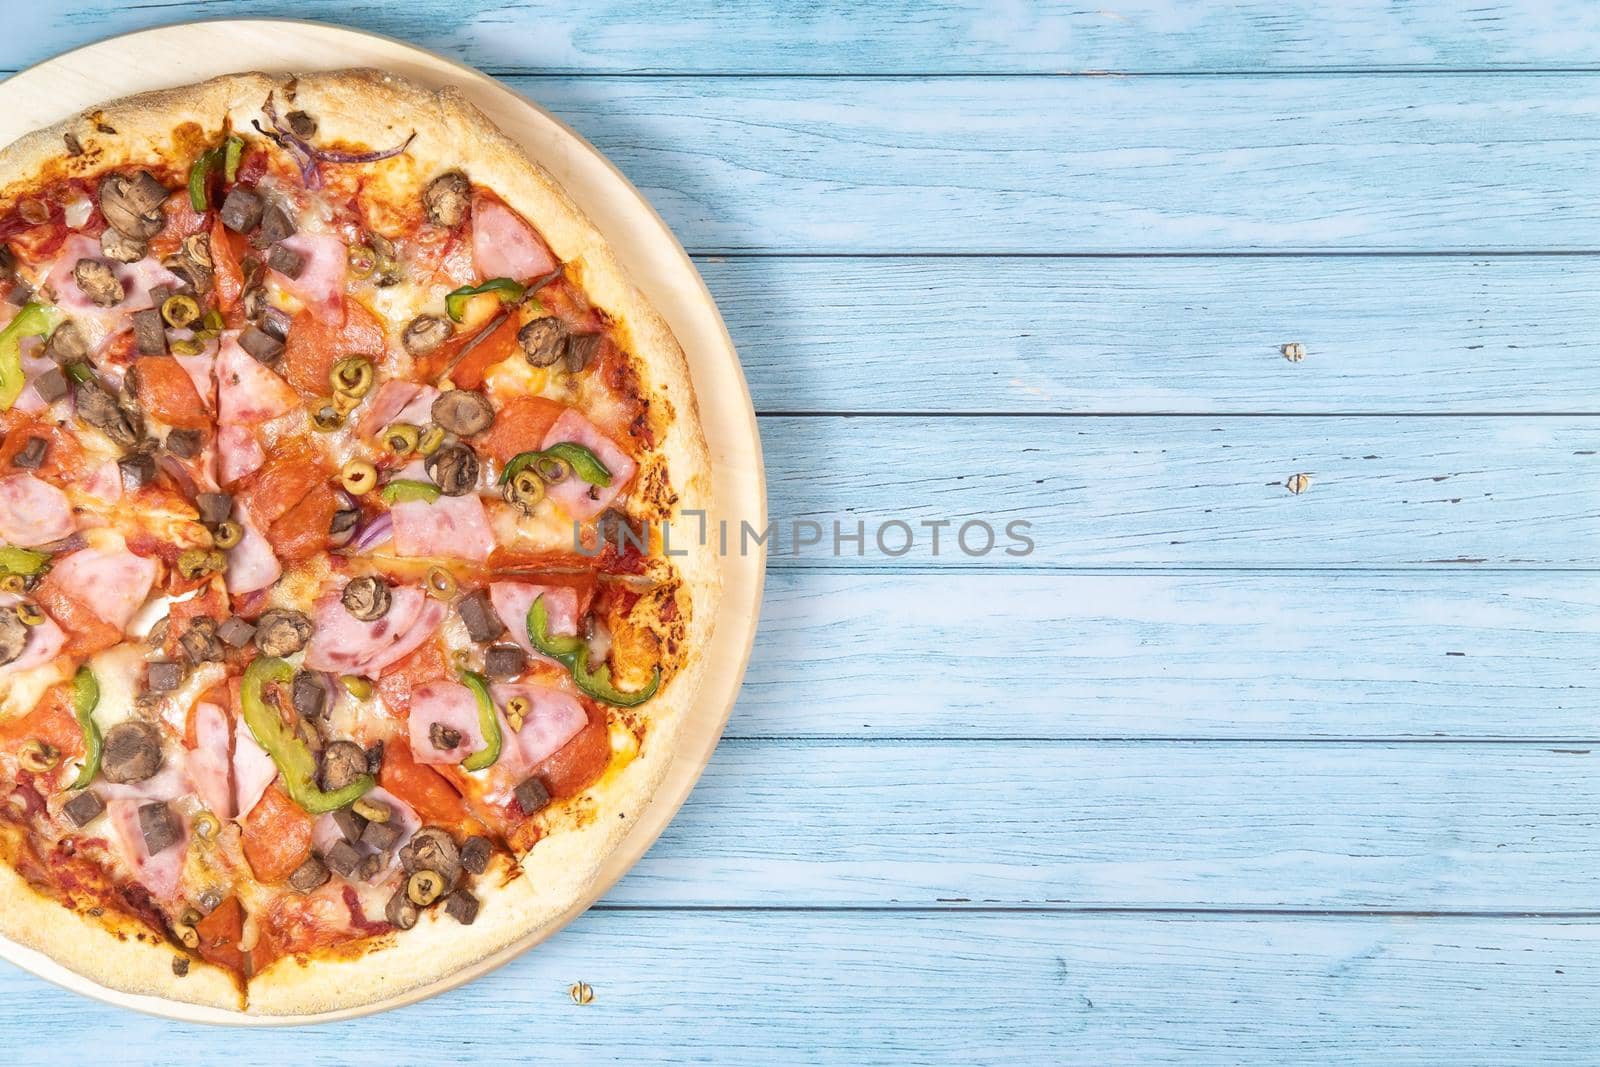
x,y
339,645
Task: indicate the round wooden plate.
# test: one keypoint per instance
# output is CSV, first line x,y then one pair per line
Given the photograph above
x,y
195,51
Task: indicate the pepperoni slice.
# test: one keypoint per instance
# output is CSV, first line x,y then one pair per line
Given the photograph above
x,y
276,838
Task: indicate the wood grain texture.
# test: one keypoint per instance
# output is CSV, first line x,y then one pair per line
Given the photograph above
x,y
1102,165
899,37
1202,334
936,989
1208,491
1405,827
996,654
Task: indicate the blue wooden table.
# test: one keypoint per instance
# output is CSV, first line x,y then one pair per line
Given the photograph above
x,y
1281,744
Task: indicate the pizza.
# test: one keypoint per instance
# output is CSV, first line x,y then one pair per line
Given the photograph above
x,y
339,646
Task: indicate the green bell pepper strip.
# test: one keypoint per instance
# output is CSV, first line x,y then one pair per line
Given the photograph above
x,y
572,652
488,722
584,463
508,290
34,320
403,490
232,150
85,695
293,758
24,561
224,157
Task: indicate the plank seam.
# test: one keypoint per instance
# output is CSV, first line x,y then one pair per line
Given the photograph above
x,y
956,908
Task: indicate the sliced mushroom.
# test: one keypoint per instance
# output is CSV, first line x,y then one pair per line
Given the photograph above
x,y
367,598
13,635
443,737
581,348
114,244
96,281
301,124
67,344
432,849
463,412
425,333
200,642
133,206
400,912
454,469
121,422
131,752
543,341
281,632
342,763
387,271
309,875
447,198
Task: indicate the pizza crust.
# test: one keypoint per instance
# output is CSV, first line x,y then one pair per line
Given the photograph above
x,y
563,873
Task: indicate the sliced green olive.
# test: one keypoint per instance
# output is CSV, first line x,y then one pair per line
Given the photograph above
x,y
440,583
525,490
187,347
227,534
363,261
29,614
15,584
205,825
402,438
357,687
430,440
352,376
371,810
38,757
424,887
517,709
358,477
196,563
326,417
180,311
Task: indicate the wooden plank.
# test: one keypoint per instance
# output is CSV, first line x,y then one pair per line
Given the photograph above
x,y
909,36
804,987
1207,655
1294,826
1204,334
1102,165
1212,491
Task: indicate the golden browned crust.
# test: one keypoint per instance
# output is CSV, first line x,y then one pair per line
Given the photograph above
x,y
568,869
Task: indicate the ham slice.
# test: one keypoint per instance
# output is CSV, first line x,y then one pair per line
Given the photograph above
x,y
453,527
247,392
158,873
392,397
320,285
29,399
44,641
253,771
574,495
104,482
451,705
553,719
238,453
251,564
343,644
512,601
98,322
503,246
33,512
116,581
200,370
210,765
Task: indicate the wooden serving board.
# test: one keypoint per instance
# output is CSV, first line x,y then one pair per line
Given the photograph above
x,y
192,52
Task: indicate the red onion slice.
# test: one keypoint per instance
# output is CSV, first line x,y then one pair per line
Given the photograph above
x,y
373,534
